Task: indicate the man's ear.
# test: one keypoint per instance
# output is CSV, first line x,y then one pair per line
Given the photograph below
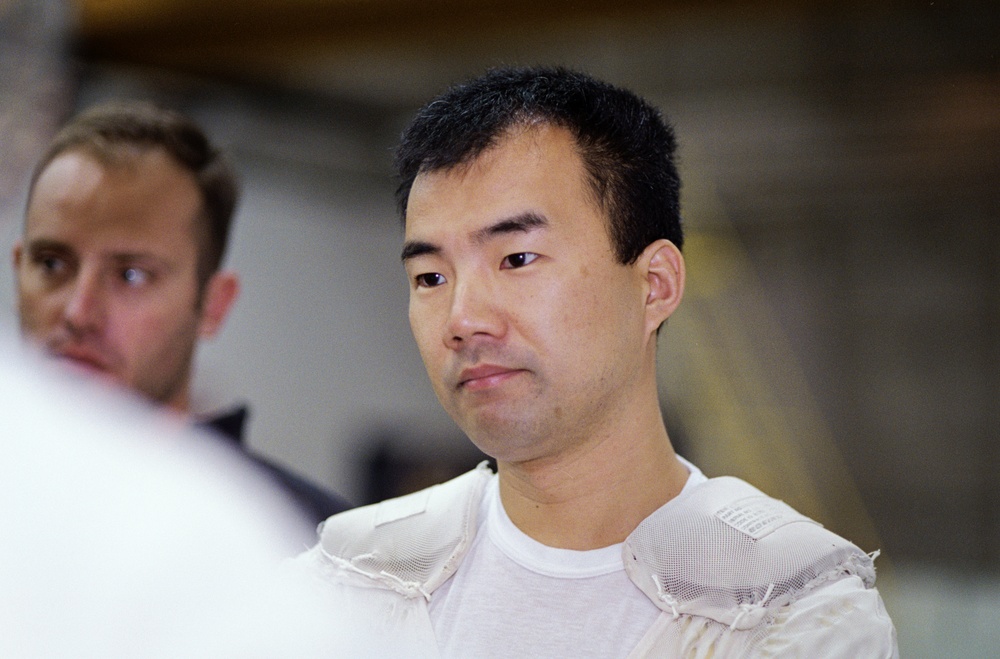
x,y
16,255
220,293
664,277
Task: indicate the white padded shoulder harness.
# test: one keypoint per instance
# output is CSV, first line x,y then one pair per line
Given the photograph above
x,y
722,550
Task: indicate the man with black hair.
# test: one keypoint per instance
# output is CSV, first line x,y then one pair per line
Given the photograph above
x,y
118,271
543,249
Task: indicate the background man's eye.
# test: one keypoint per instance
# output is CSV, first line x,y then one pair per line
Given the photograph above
x,y
51,263
134,275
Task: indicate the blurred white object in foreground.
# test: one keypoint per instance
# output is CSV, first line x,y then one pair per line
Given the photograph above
x,y
124,535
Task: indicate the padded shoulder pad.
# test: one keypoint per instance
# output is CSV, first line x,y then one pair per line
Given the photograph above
x,y
728,552
413,543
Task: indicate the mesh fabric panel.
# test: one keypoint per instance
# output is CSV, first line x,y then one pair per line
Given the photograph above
x,y
690,559
412,543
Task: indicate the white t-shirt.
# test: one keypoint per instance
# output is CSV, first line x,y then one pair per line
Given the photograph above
x,y
515,597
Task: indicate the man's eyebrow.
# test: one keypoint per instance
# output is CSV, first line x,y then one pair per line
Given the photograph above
x,y
517,224
415,248
38,245
522,223
43,244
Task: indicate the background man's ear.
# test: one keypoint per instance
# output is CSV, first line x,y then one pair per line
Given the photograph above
x,y
16,255
220,294
664,269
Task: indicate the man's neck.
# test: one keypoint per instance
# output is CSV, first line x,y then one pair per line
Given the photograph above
x,y
595,496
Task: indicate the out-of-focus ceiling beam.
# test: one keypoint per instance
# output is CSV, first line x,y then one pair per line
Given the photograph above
x,y
234,38
104,21
110,25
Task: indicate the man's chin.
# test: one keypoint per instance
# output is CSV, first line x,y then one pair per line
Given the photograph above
x,y
86,370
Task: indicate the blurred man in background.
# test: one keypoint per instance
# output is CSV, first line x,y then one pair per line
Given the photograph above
x,y
542,245
118,270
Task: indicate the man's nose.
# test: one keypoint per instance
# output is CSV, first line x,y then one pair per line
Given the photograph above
x,y
87,302
474,313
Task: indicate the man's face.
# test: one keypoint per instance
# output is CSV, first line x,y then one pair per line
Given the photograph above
x,y
106,271
532,333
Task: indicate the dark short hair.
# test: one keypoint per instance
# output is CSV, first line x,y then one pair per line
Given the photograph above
x,y
105,129
626,145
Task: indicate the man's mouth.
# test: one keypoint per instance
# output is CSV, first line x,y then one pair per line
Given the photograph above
x,y
485,376
80,361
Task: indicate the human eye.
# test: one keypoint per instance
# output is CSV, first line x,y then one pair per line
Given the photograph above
x,y
517,260
428,280
50,263
134,276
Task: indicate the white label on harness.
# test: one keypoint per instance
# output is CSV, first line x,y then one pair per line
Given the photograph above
x,y
393,510
759,516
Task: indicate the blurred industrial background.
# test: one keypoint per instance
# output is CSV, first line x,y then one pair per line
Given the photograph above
x,y
839,345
